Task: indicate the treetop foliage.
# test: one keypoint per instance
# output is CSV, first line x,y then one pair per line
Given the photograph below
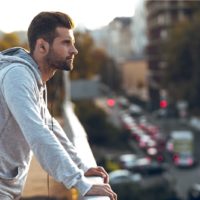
x,y
181,76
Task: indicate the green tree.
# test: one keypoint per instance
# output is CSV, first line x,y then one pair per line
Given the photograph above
x,y
56,94
92,61
181,76
84,65
100,131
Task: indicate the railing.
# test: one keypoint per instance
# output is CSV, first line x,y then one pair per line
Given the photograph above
x,y
78,137
94,180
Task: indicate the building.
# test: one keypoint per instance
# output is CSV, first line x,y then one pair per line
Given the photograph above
x,y
116,38
138,26
161,15
119,30
124,40
134,76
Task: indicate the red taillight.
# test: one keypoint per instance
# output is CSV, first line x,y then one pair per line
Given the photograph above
x,y
111,102
160,158
163,103
176,159
190,161
142,144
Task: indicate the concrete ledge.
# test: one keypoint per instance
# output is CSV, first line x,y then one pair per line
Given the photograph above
x,y
78,137
97,198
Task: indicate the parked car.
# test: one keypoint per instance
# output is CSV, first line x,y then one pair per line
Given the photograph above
x,y
147,166
135,110
126,161
141,164
123,176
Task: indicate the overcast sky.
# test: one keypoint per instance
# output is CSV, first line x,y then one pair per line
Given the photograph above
x,y
16,15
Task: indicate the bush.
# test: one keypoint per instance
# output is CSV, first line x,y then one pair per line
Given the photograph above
x,y
99,130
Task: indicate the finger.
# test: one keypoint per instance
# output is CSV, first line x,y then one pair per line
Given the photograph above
x,y
115,196
111,194
99,171
102,170
104,174
102,190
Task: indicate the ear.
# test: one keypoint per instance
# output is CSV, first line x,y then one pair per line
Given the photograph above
x,y
42,46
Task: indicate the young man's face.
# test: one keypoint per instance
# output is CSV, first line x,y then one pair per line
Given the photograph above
x,y
62,51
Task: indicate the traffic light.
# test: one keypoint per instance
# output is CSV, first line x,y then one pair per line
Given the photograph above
x,y
163,103
110,102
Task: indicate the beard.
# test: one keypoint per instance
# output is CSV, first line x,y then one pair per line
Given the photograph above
x,y
55,61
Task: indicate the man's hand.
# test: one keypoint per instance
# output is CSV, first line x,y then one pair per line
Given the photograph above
x,y
102,190
98,171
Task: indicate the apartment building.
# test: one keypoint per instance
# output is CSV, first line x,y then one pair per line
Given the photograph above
x,y
161,15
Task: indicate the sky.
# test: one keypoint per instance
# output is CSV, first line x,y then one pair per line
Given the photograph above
x,y
15,15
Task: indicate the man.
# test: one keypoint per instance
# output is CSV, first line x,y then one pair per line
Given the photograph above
x,y
26,125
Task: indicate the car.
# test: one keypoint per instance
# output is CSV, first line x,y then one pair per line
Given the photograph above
x,y
127,121
136,133
146,142
123,176
194,192
123,102
156,154
183,160
141,164
181,147
148,166
126,161
135,110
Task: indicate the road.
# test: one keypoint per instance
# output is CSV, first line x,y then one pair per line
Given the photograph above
x,y
184,178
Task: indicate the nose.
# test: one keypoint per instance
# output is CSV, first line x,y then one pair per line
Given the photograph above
x,y
75,51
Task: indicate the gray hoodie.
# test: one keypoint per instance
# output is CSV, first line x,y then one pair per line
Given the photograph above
x,y
26,127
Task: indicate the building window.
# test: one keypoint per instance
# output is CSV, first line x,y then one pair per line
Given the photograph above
x,y
163,34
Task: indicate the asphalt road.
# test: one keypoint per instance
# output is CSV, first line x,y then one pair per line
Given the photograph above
x,y
184,178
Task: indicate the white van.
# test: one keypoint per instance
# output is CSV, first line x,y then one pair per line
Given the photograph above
x,y
182,148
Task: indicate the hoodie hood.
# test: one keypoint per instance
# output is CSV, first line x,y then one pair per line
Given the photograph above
x,y
20,55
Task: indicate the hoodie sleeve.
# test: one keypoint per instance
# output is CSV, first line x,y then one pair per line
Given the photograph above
x,y
66,143
20,93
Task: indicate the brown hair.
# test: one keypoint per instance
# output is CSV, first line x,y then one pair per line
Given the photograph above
x,y
44,26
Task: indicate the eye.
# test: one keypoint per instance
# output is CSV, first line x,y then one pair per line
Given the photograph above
x,y
67,42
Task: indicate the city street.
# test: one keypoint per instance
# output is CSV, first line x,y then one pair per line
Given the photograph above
x,y
184,177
